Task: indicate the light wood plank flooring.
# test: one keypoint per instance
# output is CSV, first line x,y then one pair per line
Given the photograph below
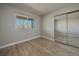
x,y
39,47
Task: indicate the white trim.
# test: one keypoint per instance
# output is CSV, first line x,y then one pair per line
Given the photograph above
x,y
49,38
7,45
11,44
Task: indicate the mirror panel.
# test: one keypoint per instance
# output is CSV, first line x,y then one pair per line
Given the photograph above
x,y
60,27
73,29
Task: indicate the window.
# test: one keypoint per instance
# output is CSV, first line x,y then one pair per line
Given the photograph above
x,y
23,22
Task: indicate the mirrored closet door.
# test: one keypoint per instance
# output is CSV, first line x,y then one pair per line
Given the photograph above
x,y
73,29
66,27
60,26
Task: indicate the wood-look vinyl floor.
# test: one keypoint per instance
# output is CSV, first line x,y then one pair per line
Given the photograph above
x,y
40,47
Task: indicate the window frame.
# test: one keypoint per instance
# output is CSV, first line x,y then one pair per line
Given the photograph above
x,y
27,24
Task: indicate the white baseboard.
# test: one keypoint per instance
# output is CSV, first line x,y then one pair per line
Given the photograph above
x,y
47,38
7,45
11,44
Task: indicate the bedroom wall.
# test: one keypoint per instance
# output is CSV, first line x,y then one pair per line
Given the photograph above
x,y
8,33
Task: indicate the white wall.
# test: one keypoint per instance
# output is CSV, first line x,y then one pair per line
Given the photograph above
x,y
48,20
48,26
8,34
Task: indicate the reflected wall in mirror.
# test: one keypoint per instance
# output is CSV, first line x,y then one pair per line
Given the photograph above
x,y
73,29
61,28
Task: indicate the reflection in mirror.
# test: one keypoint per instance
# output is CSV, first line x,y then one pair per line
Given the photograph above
x,y
73,29
61,28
